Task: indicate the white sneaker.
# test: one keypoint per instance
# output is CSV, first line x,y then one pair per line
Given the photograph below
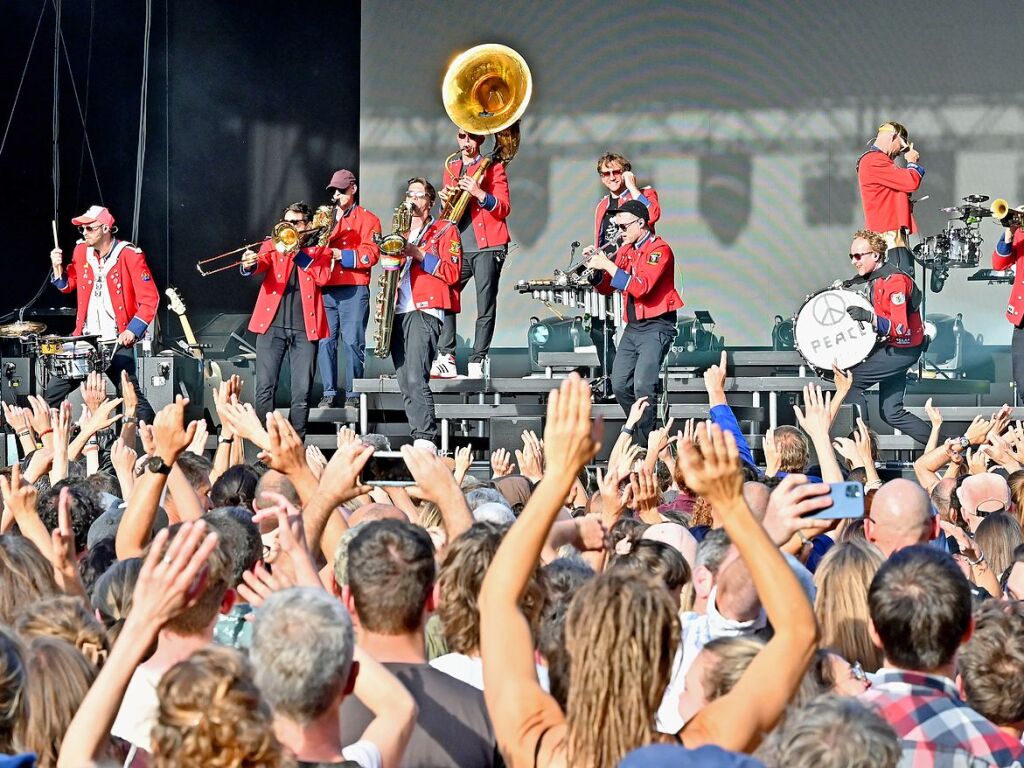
x,y
444,367
476,371
425,445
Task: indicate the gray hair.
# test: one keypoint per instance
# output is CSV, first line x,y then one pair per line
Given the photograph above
x,y
712,549
302,647
376,440
831,732
480,496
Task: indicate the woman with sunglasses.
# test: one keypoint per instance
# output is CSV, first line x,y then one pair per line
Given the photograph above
x,y
896,318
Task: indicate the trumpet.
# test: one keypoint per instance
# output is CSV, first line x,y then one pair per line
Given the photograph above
x,y
1005,215
285,237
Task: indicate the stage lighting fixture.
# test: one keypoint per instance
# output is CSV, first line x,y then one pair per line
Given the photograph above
x,y
782,334
724,194
947,342
552,334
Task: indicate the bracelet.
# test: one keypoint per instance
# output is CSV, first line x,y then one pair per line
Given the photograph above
x,y
627,431
129,420
25,433
979,561
44,433
225,440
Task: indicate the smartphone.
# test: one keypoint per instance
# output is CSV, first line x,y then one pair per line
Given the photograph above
x,y
847,502
386,468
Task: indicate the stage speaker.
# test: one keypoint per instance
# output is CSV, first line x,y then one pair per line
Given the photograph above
x,y
17,380
507,432
227,336
164,377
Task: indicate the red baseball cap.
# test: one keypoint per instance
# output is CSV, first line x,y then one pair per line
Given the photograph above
x,y
95,213
342,179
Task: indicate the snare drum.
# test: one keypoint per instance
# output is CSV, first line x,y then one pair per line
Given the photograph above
x,y
932,251
964,248
72,359
824,333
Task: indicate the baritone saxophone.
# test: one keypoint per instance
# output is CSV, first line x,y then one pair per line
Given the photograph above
x,y
391,248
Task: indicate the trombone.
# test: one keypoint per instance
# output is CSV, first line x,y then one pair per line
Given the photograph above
x,y
285,237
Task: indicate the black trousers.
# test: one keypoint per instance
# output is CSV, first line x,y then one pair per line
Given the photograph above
x,y
1017,360
413,348
887,367
271,349
122,360
637,367
902,259
485,268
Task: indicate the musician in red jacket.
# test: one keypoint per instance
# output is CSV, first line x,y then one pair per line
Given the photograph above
x,y
643,269
896,318
617,175
885,190
289,317
117,298
484,233
347,293
428,288
1007,254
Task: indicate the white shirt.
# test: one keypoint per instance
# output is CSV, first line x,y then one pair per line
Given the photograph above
x,y
139,708
405,302
470,670
366,753
99,315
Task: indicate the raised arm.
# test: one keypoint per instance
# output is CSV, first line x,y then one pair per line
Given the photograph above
x,y
738,720
519,708
815,420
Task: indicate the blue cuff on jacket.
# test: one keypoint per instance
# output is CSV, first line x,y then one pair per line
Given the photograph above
x,y
246,272
348,258
621,280
916,167
60,283
1003,248
643,199
303,260
489,202
137,326
431,261
884,325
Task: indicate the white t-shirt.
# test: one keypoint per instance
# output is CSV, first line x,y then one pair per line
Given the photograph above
x,y
366,753
470,670
99,315
139,709
405,302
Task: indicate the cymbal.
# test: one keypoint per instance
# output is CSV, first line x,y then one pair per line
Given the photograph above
x,y
21,328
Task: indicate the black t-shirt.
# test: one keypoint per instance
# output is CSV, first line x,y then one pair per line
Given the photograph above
x,y
289,311
452,727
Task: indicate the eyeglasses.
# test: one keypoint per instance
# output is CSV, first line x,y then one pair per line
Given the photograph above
x,y
416,195
857,673
463,135
859,256
294,221
89,228
609,174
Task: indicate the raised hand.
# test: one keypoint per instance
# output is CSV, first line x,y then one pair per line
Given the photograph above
x,y
433,478
292,550
340,479
978,430
463,461
38,415
102,416
346,436
65,557
571,439
39,464
846,448
657,441
244,422
259,584
772,460
316,461
129,396
500,464
531,458
712,468
147,437
934,414
815,418
613,502
843,380
123,458
977,461
286,453
714,381
593,536
793,498
198,444
1000,420
16,416
170,435
636,412
94,391
646,495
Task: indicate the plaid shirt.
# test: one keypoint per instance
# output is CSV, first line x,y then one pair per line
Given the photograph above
x,y
935,727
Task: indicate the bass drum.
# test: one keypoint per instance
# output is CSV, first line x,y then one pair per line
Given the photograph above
x,y
824,333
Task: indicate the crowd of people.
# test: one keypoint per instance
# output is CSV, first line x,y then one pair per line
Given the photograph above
x,y
677,602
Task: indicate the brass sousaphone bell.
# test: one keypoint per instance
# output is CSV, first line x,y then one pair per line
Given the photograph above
x,y
486,90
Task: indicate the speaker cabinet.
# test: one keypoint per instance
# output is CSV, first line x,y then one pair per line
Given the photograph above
x,y
164,377
17,380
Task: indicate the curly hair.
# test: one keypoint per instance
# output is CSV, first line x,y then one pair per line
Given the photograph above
x,y
621,633
58,679
85,507
613,157
212,715
991,663
875,240
66,618
26,576
462,573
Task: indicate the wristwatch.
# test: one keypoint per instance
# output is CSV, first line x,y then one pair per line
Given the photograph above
x,y
158,465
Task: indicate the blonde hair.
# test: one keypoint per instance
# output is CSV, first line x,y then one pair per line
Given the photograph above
x,y
732,656
212,715
842,579
58,679
793,448
621,633
66,618
26,576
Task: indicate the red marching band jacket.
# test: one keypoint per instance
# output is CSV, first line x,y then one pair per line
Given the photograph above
x,y
488,223
1005,256
353,236
648,196
647,273
435,280
885,191
133,293
314,263
899,322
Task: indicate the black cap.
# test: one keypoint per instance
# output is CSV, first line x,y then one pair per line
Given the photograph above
x,y
634,207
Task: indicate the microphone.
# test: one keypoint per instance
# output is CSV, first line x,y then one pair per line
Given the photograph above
x,y
574,244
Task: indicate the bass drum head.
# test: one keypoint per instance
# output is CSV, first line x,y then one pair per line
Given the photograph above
x,y
824,333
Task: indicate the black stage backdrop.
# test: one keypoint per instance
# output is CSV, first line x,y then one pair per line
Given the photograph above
x,y
250,106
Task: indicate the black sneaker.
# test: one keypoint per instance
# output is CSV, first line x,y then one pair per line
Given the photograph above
x,y
326,402
351,402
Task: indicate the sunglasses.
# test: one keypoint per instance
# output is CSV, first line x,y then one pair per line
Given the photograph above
x,y
859,256
609,174
416,195
627,225
89,228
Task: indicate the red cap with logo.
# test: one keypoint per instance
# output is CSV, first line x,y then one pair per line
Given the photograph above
x,y
95,213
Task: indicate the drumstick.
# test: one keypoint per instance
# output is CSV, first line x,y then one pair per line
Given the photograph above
x,y
53,223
